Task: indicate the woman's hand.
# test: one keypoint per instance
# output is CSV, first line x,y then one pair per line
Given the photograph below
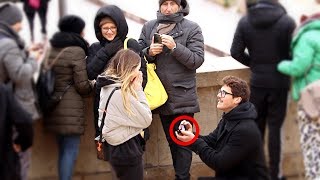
x,y
36,50
137,81
35,47
36,54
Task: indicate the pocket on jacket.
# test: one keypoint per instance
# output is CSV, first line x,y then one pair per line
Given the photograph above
x,y
183,94
184,84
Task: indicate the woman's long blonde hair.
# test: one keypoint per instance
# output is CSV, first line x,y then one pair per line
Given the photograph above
x,y
121,68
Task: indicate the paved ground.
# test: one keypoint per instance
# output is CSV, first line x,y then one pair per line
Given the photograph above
x,y
218,23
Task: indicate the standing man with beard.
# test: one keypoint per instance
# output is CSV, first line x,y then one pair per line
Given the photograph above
x,y
266,33
177,55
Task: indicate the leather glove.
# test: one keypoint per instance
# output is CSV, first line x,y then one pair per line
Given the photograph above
x,y
113,47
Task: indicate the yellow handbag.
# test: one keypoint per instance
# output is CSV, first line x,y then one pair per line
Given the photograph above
x,y
155,93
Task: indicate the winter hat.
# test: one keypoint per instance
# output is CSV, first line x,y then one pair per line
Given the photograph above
x,y
177,1
106,20
10,13
71,23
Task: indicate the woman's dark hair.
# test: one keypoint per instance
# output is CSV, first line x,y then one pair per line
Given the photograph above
x,y
239,87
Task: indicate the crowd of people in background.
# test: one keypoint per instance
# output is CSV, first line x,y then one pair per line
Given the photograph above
x,y
266,40
31,12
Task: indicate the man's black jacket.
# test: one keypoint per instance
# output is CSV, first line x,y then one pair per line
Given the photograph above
x,y
265,32
234,149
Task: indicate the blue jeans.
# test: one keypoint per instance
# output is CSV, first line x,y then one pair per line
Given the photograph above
x,y
68,152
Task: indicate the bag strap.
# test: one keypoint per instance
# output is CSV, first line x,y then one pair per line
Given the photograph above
x,y
46,63
125,43
105,112
65,89
145,59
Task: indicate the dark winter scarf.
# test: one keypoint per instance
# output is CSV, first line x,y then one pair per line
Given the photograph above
x,y
168,22
66,39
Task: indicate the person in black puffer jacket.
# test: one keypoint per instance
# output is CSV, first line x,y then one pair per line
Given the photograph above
x,y
266,33
111,30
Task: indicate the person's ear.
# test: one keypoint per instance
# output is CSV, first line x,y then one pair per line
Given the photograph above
x,y
237,100
82,33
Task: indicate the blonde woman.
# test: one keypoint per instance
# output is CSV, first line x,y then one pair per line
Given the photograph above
x,y
127,113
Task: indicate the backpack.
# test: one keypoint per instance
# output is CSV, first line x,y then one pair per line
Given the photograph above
x,y
309,100
45,85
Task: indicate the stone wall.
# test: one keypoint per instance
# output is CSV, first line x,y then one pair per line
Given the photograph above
x,y
158,163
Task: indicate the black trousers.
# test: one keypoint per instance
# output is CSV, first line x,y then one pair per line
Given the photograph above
x,y
126,159
42,11
181,156
128,171
271,105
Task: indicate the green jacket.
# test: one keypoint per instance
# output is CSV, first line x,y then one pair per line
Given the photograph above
x,y
305,65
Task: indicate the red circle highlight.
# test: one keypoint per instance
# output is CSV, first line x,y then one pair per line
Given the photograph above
x,y
173,137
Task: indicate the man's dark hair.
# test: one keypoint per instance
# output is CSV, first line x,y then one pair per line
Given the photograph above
x,y
239,87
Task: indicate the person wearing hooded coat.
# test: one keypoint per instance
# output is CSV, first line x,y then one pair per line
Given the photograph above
x,y
177,57
266,31
110,42
67,120
17,67
304,68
